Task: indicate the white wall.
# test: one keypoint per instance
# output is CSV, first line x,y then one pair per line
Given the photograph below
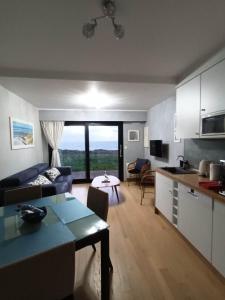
x,y
132,150
12,161
161,127
93,115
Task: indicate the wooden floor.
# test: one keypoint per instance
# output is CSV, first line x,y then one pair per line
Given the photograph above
x,y
150,259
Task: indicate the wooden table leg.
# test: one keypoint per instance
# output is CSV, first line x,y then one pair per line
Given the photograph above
x,y
105,265
116,193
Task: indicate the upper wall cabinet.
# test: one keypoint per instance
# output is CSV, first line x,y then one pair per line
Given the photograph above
x,y
188,109
213,89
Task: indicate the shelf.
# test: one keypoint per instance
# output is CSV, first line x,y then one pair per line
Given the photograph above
x,y
175,206
175,216
176,198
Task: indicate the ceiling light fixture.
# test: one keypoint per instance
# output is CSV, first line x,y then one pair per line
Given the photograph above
x,y
94,98
109,9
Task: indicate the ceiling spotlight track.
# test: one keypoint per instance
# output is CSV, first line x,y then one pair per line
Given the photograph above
x,y
109,9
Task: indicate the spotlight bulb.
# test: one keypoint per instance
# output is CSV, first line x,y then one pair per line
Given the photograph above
x,y
118,31
89,30
109,8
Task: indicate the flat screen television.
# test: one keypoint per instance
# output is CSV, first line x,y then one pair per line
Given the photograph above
x,y
156,148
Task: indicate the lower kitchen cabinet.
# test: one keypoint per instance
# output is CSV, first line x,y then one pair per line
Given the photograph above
x,y
218,245
163,197
195,219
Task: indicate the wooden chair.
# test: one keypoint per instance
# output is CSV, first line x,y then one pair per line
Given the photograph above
x,y
98,201
48,275
18,195
147,180
136,168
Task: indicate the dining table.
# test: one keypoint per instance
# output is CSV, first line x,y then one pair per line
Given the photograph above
x,y
67,220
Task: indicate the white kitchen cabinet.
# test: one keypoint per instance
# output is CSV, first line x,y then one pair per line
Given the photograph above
x,y
213,89
218,245
163,199
195,219
188,109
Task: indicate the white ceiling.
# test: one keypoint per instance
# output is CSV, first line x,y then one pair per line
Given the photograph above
x,y
69,94
164,41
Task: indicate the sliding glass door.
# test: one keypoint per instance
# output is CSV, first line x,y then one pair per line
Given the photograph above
x,y
92,148
72,150
104,150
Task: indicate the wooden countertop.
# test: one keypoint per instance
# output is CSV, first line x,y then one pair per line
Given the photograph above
x,y
192,180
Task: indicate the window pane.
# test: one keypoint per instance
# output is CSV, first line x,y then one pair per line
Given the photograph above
x,y
103,143
72,150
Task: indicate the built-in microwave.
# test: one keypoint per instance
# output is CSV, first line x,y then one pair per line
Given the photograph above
x,y
213,125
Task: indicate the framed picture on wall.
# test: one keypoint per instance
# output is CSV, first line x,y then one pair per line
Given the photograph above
x,y
133,136
22,134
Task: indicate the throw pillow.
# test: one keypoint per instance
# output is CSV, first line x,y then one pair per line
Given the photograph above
x,y
40,180
52,174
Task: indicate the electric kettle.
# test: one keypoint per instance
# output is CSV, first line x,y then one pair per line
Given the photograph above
x,y
204,168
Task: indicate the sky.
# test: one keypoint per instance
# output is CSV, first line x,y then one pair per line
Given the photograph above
x,y
73,137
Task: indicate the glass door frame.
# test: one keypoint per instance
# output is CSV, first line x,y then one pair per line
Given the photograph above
x,y
87,154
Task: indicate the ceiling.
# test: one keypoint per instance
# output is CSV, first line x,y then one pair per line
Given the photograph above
x,y
164,41
70,94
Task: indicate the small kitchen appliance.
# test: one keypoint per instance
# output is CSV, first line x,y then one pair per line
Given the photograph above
x,y
204,167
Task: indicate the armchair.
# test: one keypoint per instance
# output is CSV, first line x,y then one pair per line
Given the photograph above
x,y
136,168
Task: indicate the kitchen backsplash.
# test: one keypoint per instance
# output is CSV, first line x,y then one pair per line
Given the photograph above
x,y
208,149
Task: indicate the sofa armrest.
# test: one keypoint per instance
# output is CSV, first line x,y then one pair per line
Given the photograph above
x,y
65,170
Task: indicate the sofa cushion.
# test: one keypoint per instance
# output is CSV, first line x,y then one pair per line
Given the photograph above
x,y
61,178
52,173
40,180
19,178
41,167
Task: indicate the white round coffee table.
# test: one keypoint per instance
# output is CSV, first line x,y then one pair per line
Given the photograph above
x,y
98,182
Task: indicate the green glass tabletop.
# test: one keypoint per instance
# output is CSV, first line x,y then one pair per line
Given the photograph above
x,y
87,226
67,220
39,241
12,226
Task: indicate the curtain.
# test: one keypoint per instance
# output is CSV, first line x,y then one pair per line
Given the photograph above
x,y
53,133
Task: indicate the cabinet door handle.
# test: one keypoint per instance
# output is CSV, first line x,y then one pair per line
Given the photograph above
x,y
193,194
203,109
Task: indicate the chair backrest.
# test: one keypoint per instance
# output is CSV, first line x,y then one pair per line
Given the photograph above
x,y
22,194
140,162
145,168
98,201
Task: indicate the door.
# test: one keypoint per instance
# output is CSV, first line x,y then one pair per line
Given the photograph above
x,y
104,150
164,187
92,148
72,150
195,219
218,247
188,109
213,89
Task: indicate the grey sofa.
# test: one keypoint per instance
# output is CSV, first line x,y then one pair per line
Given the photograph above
x,y
62,184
